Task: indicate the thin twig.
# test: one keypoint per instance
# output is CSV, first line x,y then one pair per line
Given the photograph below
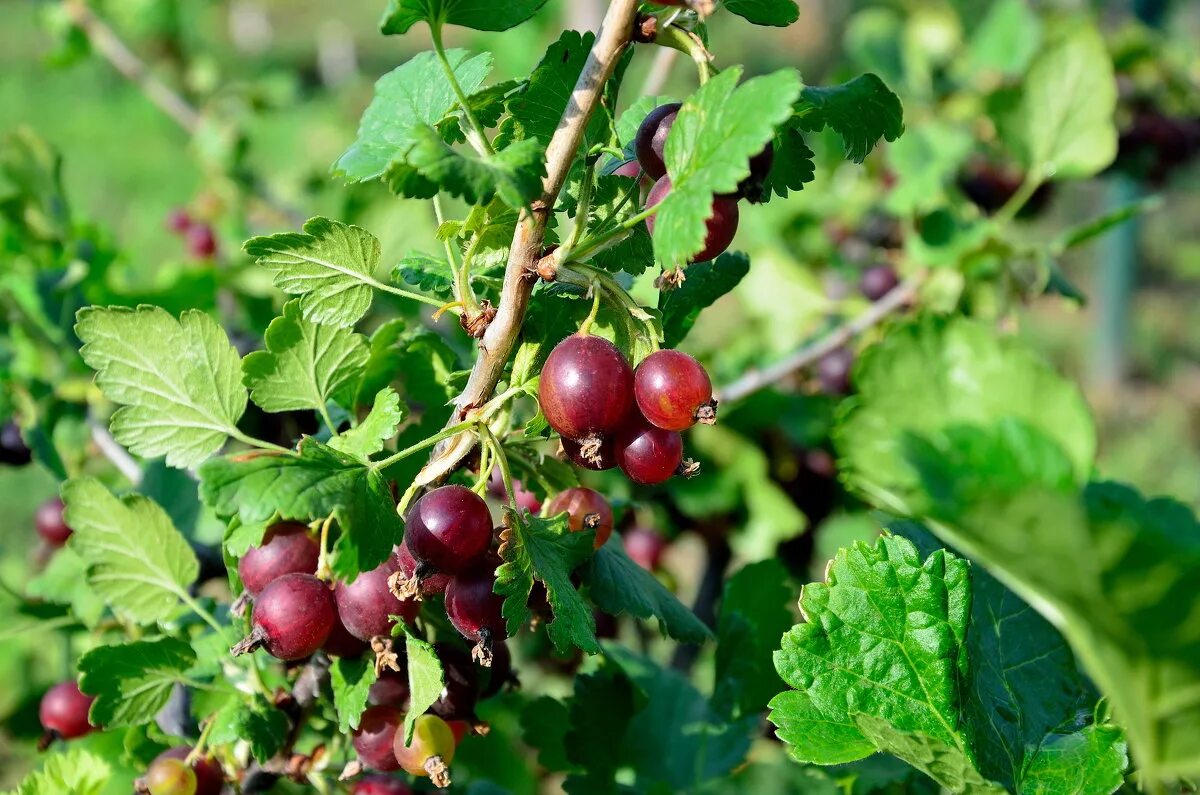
x,y
755,380
115,453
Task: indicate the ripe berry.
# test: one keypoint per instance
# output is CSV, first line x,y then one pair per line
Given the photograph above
x,y
475,611
605,457
460,729
50,524
209,776
585,390
381,785
524,497
293,617
375,736
287,548
652,137
449,529
646,454
585,509
13,450
390,689
430,752
201,241
629,168
644,547
417,579
878,281
341,643
673,390
179,221
64,712
367,604
721,225
169,777
833,371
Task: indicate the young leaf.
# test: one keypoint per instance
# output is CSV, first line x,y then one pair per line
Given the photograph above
x,y
329,265
705,283
755,612
137,562
132,681
179,381
779,13
74,771
513,173
427,273
304,364
369,436
544,549
256,722
717,131
618,585
478,14
860,111
350,678
314,482
413,94
425,679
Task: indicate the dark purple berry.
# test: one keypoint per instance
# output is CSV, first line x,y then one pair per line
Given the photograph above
x,y
475,610
652,137
375,737
721,225
449,529
367,604
586,389
292,618
833,371
179,221
646,454
13,450
878,281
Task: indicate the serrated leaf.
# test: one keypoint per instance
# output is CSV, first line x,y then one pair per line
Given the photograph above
x,y
717,131
478,14
860,111
618,585
425,680
793,166
304,365
369,436
132,681
75,771
179,381
64,581
415,93
314,482
256,722
705,283
779,13
350,678
427,273
137,562
513,173
545,550
755,612
329,264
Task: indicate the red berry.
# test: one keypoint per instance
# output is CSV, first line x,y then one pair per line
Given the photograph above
x,y
341,643
428,583
585,509
673,390
449,529
721,225
646,454
431,750
293,617
179,221
652,137
64,711
209,776
381,785
201,241
605,457
287,548
833,371
475,610
644,547
367,604
878,281
460,729
586,388
525,498
375,736
390,689
629,168
50,523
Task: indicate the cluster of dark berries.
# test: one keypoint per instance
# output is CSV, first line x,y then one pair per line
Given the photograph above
x,y
199,236
611,416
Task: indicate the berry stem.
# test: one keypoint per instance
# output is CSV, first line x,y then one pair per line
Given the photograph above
x,y
585,327
497,449
323,571
445,433
1018,200
479,140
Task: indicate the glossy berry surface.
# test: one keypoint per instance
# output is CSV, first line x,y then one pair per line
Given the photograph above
x,y
50,523
605,457
473,608
381,785
375,737
13,450
367,604
287,548
390,689
721,225
652,137
431,738
341,643
672,390
428,582
293,616
646,454
645,547
170,777
201,241
877,281
586,387
586,509
64,711
449,529
833,371
630,168
209,776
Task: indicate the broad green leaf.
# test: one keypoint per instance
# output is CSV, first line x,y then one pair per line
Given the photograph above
x,y
1006,40
74,771
534,548
705,283
513,173
137,562
304,364
793,166
314,482
413,94
64,581
329,265
708,151
779,13
1091,760
1065,118
755,612
860,111
132,681
350,678
427,273
426,679
369,436
478,14
618,585
179,381
256,722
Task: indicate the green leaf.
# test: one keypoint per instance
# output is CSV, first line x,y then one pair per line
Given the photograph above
x,y
329,265
427,273
350,678
1065,118
132,681
137,562
74,771
860,111
513,173
426,679
64,581
924,161
632,117
705,283
413,94
314,482
618,585
256,722
708,151
179,381
779,13
304,364
478,14
369,436
755,612
1006,40
544,549
793,166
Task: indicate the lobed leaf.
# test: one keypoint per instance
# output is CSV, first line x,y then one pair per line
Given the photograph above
x,y
514,173
370,435
860,111
350,679
132,681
